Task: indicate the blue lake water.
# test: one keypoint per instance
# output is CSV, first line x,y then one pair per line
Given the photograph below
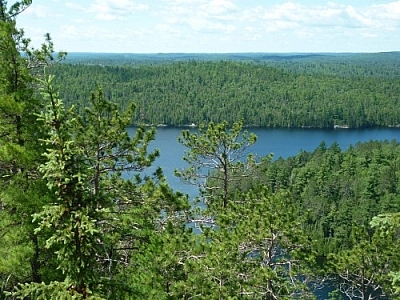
x,y
280,142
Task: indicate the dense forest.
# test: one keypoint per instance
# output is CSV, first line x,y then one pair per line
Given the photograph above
x,y
285,93
73,225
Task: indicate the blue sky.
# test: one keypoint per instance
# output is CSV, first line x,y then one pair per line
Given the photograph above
x,y
222,26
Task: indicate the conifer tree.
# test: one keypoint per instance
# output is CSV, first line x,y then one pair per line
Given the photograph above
x,y
217,159
22,191
97,219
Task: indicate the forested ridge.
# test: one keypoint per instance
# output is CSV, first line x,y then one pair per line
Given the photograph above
x,y
80,220
287,94
384,64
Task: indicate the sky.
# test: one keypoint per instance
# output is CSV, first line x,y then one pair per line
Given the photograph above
x,y
214,26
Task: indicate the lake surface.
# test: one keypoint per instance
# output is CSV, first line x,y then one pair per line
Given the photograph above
x,y
281,142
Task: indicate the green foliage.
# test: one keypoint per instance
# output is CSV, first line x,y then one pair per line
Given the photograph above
x,y
53,290
363,269
388,225
254,249
72,222
272,253
23,191
85,159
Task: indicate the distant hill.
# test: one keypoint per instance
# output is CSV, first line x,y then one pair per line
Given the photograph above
x,y
300,90
139,58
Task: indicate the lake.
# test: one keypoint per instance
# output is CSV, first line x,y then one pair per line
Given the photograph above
x,y
280,142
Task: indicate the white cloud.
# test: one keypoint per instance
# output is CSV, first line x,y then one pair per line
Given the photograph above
x,y
217,7
167,29
115,9
40,11
70,30
252,33
92,33
214,16
80,21
386,16
316,21
75,6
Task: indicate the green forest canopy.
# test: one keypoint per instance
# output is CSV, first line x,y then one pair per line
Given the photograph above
x,y
354,90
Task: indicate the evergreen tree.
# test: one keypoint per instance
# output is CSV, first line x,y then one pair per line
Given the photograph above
x,y
96,218
217,158
23,191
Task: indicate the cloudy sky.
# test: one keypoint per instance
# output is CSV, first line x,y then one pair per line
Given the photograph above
x,y
153,26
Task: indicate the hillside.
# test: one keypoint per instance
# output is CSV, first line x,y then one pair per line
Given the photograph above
x,y
355,90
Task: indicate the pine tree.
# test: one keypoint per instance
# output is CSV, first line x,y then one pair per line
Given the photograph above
x,y
22,191
217,158
98,219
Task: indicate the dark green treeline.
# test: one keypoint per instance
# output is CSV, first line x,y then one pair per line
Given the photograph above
x,y
315,94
